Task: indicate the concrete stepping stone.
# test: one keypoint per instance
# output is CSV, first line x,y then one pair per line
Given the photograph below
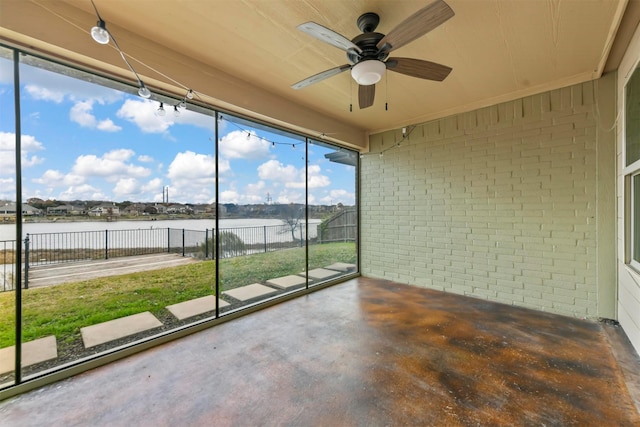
x,y
196,306
246,293
341,266
118,328
33,352
322,274
287,282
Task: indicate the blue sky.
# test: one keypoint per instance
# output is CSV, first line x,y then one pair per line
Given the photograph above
x,y
89,142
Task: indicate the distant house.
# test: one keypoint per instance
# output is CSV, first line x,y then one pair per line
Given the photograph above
x,y
105,209
177,208
66,210
9,209
135,209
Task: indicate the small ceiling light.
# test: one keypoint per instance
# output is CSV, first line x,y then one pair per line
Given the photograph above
x,y
368,72
143,91
248,135
100,33
183,104
190,94
176,112
160,110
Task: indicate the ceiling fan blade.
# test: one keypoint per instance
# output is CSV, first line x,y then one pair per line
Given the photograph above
x,y
418,68
366,95
417,25
321,76
328,36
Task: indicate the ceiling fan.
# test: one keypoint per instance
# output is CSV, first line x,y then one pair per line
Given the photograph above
x,y
368,53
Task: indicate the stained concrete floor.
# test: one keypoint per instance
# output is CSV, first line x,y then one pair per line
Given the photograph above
x,y
363,353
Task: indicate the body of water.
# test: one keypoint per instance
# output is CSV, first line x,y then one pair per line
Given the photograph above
x,y
8,231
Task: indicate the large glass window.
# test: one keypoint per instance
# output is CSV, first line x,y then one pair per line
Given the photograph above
x,y
141,216
632,118
262,227
632,155
332,202
7,220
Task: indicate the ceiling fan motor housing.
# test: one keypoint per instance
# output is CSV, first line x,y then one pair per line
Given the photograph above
x,y
367,42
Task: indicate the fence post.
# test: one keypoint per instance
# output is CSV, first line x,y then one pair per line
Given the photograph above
x,y
26,262
265,237
183,242
168,240
106,244
206,243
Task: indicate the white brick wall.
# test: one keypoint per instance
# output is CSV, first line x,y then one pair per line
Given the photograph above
x,y
499,203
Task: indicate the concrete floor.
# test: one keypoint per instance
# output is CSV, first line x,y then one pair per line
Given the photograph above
x,y
364,353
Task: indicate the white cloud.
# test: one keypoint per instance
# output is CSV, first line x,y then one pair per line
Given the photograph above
x,y
275,171
107,125
153,187
7,152
49,86
292,177
229,196
125,188
339,196
82,113
189,165
28,142
243,145
111,166
145,159
288,196
143,114
41,93
192,177
120,154
52,178
7,189
82,192
188,117
316,179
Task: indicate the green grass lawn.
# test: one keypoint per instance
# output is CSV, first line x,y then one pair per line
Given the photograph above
x,y
63,309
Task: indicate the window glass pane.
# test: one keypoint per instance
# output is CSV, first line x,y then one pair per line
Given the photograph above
x,y
119,205
122,202
636,217
262,212
332,202
632,118
8,200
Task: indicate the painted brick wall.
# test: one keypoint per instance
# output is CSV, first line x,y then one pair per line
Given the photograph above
x,y
499,203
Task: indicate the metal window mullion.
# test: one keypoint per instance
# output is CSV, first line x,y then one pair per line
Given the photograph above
x,y
215,234
18,260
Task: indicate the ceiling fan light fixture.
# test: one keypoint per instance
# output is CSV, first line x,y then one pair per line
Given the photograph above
x,y
368,72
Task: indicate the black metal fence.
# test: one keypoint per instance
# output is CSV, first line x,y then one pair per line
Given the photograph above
x,y
7,264
56,248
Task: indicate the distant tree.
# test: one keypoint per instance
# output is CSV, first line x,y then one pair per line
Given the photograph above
x,y
151,210
230,246
293,216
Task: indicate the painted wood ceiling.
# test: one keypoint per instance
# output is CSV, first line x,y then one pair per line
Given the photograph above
x,y
499,50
